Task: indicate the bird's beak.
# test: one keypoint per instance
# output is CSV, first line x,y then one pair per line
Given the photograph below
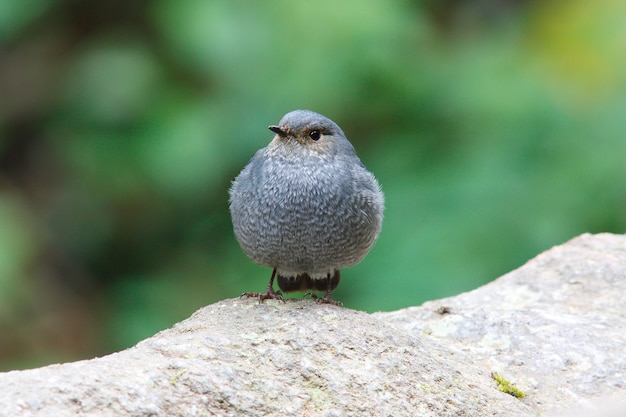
x,y
276,129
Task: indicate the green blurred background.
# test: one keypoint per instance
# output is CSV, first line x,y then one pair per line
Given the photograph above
x,y
496,128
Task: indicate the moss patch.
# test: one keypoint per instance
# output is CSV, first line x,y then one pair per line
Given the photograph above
x,y
506,386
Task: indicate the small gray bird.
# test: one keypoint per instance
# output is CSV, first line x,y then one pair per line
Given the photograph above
x,y
306,206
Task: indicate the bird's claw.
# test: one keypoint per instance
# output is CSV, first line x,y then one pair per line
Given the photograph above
x,y
327,299
270,294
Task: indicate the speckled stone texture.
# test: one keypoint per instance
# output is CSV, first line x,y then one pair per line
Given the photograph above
x,y
554,328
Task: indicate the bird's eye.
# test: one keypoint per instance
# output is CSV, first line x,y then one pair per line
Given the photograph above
x,y
315,134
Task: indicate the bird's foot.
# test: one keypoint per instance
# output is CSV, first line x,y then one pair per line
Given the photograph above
x,y
269,294
326,299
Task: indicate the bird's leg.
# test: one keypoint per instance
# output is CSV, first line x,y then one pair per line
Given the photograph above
x,y
327,298
269,294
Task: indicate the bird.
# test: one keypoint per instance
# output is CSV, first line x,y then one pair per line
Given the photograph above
x,y
306,206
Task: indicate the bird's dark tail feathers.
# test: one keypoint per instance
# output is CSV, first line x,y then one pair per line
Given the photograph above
x,y
304,282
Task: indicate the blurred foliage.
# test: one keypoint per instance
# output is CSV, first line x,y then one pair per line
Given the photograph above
x,y
497,129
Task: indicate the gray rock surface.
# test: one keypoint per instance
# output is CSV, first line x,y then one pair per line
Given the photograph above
x,y
554,327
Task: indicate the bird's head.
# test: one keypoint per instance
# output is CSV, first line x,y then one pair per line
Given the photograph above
x,y
308,130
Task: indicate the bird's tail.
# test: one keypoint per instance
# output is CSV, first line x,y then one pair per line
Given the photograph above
x,y
304,282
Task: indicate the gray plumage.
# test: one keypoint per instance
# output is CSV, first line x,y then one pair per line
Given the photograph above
x,y
305,205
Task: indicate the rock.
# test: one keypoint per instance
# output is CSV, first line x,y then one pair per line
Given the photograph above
x,y
554,328
237,357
